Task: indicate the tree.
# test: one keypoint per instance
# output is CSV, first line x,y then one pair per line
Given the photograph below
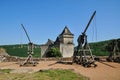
x,y
54,52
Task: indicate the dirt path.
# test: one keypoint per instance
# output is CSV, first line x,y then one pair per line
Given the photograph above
x,y
104,71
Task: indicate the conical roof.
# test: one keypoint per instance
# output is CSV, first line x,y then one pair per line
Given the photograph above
x,y
66,31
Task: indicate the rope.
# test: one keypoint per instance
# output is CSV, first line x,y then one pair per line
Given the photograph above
x,y
94,29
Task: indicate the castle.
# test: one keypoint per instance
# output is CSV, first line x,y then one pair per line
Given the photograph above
x,y
64,42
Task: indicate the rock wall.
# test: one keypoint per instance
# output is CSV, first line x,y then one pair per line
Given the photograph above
x,y
44,49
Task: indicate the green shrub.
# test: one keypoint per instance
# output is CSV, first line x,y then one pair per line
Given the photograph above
x,y
54,52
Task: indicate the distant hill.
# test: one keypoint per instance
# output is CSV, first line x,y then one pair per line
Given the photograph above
x,y
102,48
21,51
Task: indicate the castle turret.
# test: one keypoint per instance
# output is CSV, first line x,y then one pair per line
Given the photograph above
x,y
66,37
65,42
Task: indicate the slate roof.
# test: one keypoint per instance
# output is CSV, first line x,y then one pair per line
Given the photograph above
x,y
66,31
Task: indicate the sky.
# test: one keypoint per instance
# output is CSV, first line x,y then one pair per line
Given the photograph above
x,y
46,19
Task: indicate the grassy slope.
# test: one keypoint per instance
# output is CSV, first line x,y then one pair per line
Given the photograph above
x,y
44,75
100,48
15,50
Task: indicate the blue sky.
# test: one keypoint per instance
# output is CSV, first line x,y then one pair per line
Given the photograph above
x,y
45,19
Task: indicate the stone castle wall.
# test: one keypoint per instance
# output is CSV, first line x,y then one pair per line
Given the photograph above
x,y
44,49
67,50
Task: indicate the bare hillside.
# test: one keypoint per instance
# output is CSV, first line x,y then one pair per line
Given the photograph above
x,y
3,52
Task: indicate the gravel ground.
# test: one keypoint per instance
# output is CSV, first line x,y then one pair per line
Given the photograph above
x,y
104,70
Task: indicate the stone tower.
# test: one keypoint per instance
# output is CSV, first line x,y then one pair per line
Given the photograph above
x,y
65,43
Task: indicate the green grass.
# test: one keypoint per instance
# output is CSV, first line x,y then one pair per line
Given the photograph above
x,y
103,48
44,75
16,50
99,48
5,70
